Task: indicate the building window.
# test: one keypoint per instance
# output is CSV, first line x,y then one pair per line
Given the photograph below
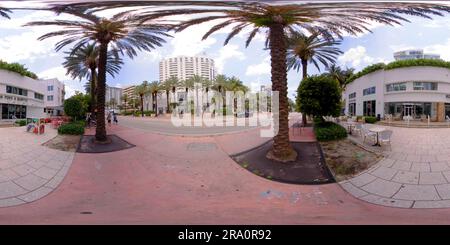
x,y
395,87
352,109
369,108
13,111
50,88
49,97
352,95
38,96
368,91
15,90
425,85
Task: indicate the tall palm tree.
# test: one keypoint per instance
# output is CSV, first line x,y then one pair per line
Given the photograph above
x,y
170,85
329,19
304,49
125,100
154,88
236,85
220,85
207,84
124,33
196,82
141,90
340,75
83,62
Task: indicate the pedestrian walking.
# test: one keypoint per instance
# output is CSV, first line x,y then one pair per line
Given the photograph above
x,y
115,118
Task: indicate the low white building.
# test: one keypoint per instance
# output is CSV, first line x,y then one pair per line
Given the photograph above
x,y
414,92
22,97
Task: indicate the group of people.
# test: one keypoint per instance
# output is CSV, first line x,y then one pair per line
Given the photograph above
x,y
111,115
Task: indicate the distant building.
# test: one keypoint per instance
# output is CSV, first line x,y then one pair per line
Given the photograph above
x,y
129,92
113,97
54,97
184,67
414,54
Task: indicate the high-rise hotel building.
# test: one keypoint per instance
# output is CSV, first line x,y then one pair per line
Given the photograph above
x,y
184,67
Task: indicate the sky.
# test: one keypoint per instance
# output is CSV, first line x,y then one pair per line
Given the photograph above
x,y
251,65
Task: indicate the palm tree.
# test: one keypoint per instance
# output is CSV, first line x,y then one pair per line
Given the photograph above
x,y
83,62
125,100
154,87
197,82
329,19
207,84
124,33
313,49
236,85
340,75
141,91
220,84
170,85
4,12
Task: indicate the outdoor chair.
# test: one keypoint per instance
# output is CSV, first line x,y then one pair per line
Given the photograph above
x,y
385,138
367,134
358,129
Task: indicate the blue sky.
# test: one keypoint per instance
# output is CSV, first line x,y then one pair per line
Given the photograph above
x,y
251,65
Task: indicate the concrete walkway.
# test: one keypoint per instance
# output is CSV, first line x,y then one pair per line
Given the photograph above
x,y
414,174
28,170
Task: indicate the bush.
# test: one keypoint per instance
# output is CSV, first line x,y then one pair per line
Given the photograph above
x,y
148,113
326,131
17,68
21,122
74,128
127,113
359,118
370,119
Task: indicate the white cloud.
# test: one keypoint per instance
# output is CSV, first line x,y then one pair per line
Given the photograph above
x,y
262,68
228,52
442,49
357,57
58,72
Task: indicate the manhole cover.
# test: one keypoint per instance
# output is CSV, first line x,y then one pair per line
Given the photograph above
x,y
201,146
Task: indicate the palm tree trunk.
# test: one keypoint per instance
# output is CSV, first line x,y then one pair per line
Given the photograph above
x,y
156,104
168,105
305,75
93,92
282,149
100,131
142,105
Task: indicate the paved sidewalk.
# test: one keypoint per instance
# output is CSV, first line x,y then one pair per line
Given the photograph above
x,y
28,170
414,174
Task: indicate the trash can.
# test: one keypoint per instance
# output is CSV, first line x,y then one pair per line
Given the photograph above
x,y
378,117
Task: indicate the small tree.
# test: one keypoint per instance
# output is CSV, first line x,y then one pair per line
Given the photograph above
x,y
319,96
73,107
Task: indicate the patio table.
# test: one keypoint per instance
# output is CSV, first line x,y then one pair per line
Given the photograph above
x,y
377,130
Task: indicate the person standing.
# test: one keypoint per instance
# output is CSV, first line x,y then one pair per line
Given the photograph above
x,y
115,118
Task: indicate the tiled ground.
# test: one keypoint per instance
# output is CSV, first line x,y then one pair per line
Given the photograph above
x,y
415,172
28,170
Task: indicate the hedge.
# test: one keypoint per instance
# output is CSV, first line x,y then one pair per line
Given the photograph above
x,y
370,119
399,64
21,122
74,128
17,68
326,131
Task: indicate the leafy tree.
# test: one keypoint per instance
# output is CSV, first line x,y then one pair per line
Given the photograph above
x,y
126,34
319,96
77,106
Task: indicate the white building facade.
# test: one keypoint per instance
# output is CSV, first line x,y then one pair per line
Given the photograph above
x,y
23,97
184,67
415,92
113,97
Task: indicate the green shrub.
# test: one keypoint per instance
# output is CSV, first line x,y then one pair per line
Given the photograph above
x,y
137,113
21,122
127,113
417,62
359,118
81,123
370,119
326,131
17,68
71,128
148,113
365,71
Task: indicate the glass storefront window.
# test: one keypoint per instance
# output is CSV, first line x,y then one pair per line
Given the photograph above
x,y
369,108
425,85
396,87
13,111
